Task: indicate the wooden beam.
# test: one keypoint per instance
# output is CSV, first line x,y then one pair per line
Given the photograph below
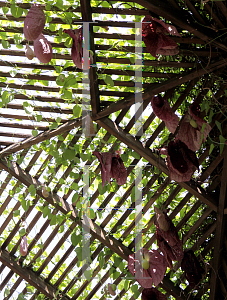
x,y
183,20
219,235
41,137
60,204
28,275
161,87
145,152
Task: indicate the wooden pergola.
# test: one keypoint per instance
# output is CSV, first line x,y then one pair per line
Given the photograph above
x,y
42,144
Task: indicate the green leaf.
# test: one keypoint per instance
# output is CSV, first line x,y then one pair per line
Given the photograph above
x,y
5,10
16,11
101,260
21,297
124,157
108,80
222,143
32,190
115,275
38,118
79,253
70,81
69,154
211,148
135,155
218,124
121,266
67,95
77,111
22,232
126,285
45,211
75,197
53,220
6,292
54,125
102,189
88,274
34,132
75,239
134,288
25,204
92,214
16,213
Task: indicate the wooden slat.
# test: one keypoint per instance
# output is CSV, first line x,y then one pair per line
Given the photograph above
x,y
66,208
28,275
161,8
161,87
117,131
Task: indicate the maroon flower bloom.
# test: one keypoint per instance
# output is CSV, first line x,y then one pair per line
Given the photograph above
x,y
155,37
167,238
152,294
77,49
112,166
156,271
180,161
163,111
192,268
190,131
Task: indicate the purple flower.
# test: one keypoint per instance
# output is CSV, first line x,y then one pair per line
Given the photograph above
x,y
112,166
190,131
163,111
77,49
181,161
192,268
167,238
155,37
155,271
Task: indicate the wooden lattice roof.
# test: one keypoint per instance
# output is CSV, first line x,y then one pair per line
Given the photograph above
x,y
43,144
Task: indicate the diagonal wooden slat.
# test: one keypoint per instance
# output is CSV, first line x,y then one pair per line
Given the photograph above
x,y
161,87
28,275
67,209
183,20
146,153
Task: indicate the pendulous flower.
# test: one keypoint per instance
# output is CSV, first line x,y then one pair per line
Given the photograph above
x,y
112,166
191,130
181,161
163,111
167,238
155,272
155,37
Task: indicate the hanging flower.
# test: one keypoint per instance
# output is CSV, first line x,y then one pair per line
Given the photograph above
x,y
181,161
43,49
153,294
168,240
77,49
34,22
192,268
163,111
112,166
155,37
190,131
151,270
